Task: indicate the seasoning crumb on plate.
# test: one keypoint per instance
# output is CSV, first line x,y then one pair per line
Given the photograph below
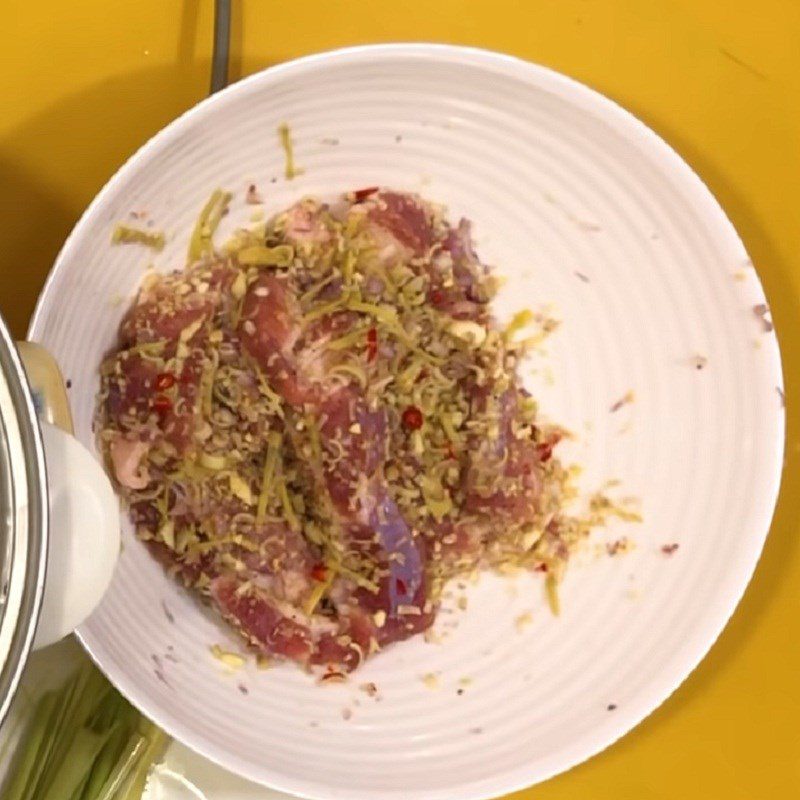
x,y
626,399
523,620
253,197
167,613
669,549
621,545
229,659
431,680
160,675
762,313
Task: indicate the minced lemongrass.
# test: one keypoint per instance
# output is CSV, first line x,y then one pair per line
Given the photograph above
x,y
291,170
124,234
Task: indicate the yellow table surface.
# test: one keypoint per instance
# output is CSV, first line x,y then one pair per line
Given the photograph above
x,y
85,82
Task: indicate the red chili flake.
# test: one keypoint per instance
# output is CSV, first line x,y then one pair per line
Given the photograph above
x,y
437,297
400,585
412,418
161,404
372,344
451,454
164,380
319,572
669,549
363,194
540,567
423,373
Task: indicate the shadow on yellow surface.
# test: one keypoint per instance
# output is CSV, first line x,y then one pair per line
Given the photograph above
x,y
94,146
90,134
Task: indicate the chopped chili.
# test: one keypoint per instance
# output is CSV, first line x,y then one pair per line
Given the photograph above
x,y
437,297
165,380
363,194
372,344
319,572
412,418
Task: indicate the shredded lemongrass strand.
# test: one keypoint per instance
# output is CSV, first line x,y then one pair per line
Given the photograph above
x,y
291,170
201,241
268,478
124,234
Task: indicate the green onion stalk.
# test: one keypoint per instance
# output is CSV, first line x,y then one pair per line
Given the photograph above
x,y
84,741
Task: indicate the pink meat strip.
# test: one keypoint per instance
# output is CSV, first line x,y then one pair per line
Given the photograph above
x,y
403,217
160,315
370,519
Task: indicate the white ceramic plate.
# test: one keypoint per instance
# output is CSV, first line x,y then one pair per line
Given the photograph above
x,y
579,205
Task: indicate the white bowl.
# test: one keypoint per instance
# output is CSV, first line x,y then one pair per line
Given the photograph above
x,y
579,205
